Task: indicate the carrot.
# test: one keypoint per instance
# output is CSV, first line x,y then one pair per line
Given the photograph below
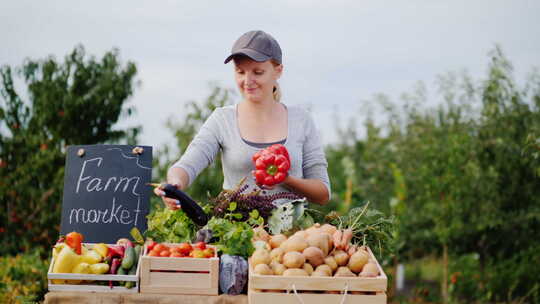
x,y
337,238
352,250
346,238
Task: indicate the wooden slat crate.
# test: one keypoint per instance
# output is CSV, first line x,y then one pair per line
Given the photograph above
x,y
92,277
174,275
264,289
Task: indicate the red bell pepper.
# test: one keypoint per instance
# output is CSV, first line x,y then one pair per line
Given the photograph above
x,y
117,251
74,241
271,165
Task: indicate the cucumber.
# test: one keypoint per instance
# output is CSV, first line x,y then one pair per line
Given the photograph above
x,y
132,271
121,271
129,258
138,250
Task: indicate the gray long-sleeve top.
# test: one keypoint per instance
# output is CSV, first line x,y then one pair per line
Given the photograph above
x,y
220,131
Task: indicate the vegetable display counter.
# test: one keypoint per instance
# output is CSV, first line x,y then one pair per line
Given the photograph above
x,y
137,298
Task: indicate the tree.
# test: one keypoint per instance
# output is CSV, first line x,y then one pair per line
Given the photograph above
x,y
462,179
77,101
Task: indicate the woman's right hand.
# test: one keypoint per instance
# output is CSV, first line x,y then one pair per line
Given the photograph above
x,y
169,202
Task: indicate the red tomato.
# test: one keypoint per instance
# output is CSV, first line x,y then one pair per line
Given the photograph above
x,y
208,252
165,253
176,255
185,248
151,245
200,245
161,247
197,253
153,253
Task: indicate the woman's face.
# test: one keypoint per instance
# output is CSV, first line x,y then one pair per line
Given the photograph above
x,y
256,80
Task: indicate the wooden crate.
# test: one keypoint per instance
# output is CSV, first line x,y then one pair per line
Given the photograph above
x,y
173,275
92,277
264,289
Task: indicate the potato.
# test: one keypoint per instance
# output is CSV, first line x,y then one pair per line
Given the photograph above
x,y
277,240
331,261
293,259
260,256
263,269
324,268
261,245
260,234
358,260
301,233
369,270
277,254
308,268
295,272
319,240
344,272
329,229
278,268
320,273
341,257
314,255
294,243
312,230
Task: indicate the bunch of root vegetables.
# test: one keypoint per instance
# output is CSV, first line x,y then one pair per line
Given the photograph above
x,y
319,251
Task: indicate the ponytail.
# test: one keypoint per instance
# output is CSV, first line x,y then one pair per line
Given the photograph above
x,y
277,93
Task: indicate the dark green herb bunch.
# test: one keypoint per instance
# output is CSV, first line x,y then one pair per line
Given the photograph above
x,y
234,237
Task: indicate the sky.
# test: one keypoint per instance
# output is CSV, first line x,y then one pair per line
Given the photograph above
x,y
336,54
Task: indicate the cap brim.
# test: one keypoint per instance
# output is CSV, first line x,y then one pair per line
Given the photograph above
x,y
249,53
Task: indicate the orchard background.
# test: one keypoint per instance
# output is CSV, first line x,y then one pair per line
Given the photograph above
x,y
457,165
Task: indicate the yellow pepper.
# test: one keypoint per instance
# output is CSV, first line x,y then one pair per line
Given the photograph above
x,y
64,262
102,249
91,257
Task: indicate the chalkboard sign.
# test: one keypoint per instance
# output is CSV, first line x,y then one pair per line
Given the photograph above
x,y
105,191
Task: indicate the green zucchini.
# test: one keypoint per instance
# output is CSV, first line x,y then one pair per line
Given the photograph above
x,y
129,258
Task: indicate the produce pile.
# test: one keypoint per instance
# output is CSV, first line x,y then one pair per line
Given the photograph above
x,y
319,251
71,255
182,250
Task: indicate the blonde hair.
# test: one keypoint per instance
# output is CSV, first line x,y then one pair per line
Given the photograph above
x,y
276,92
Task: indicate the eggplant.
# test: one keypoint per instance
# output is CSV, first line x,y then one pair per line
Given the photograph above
x,y
189,206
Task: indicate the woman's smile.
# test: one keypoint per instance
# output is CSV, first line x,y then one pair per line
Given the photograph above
x,y
250,90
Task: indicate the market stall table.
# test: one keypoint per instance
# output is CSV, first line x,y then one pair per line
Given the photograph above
x,y
137,298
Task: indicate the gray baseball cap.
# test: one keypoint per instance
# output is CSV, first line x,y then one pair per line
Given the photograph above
x,y
256,45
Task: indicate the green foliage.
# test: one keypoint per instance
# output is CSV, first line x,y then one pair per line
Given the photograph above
x,y
370,227
166,225
24,277
233,238
462,175
77,101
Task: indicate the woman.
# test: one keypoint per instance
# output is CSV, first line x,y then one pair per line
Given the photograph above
x,y
258,121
